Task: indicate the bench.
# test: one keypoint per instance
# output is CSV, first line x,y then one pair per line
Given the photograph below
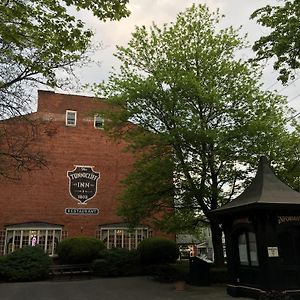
x,y
70,270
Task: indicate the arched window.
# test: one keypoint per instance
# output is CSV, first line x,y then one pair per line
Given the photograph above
x,y
43,235
247,248
120,236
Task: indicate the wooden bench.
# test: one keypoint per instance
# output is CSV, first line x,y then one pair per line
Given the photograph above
x,y
70,270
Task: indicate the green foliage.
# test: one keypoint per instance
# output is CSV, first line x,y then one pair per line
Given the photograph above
x,y
203,121
168,272
282,42
163,273
157,250
79,250
41,42
104,9
117,262
25,264
40,37
288,168
150,187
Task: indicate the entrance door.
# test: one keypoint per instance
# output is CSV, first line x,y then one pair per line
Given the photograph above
x,y
289,254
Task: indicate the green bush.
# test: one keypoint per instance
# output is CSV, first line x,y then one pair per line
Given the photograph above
x,y
117,262
78,250
25,264
157,250
161,273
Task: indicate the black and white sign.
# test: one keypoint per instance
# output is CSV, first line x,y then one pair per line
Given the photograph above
x,y
273,252
83,183
81,211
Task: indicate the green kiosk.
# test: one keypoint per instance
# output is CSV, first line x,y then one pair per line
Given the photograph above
x,y
262,233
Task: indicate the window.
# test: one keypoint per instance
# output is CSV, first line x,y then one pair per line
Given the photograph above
x,y
98,122
2,241
71,118
122,237
247,249
46,238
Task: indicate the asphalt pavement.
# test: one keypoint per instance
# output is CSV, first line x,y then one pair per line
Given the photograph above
x,y
125,288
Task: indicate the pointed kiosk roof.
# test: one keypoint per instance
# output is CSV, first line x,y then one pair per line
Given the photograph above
x,y
265,189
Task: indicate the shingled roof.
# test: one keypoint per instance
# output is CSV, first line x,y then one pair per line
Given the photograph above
x,y
265,189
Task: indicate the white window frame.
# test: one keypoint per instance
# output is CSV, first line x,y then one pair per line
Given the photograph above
x,y
71,112
247,248
145,233
95,121
48,231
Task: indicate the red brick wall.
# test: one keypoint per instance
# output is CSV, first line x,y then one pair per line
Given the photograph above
x,y
42,195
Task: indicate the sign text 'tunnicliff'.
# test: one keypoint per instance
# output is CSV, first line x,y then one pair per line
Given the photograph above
x,y
83,183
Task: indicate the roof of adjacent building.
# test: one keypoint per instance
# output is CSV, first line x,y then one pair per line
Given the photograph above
x,y
187,239
265,189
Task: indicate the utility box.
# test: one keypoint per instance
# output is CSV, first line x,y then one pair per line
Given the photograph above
x,y
199,272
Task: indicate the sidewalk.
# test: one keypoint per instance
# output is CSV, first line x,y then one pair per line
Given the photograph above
x,y
125,288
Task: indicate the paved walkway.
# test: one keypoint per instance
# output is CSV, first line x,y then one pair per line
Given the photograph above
x,y
128,288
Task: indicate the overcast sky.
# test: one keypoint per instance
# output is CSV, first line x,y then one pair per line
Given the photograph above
x,y
144,12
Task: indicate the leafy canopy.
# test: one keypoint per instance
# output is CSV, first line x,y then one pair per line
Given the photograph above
x,y
39,37
283,41
202,118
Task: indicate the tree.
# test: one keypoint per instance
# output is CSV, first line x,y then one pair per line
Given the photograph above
x,y
39,40
202,121
283,42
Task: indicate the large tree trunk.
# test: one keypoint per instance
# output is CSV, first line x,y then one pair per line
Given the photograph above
x,y
216,234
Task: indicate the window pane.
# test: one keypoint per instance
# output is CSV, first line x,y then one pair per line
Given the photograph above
x,y
145,233
133,244
119,233
42,240
104,235
98,122
126,239
139,235
111,243
242,243
252,249
71,118
17,240
25,240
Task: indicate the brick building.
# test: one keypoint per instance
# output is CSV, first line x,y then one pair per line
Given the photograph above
x,y
75,193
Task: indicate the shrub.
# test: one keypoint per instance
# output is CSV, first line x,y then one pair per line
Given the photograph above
x,y
157,250
79,250
166,272
117,262
25,264
161,273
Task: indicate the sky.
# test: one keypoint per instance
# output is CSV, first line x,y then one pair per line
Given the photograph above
x,y
145,12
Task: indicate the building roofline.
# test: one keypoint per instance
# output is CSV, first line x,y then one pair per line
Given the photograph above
x,y
265,189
